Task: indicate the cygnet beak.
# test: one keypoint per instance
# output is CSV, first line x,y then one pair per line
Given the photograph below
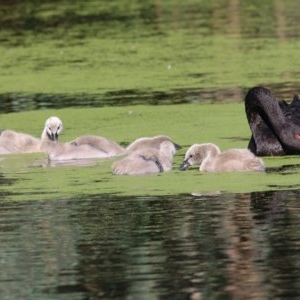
x,y
53,136
184,166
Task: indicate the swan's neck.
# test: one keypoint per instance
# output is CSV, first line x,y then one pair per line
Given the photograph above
x,y
166,157
46,142
262,105
44,136
211,152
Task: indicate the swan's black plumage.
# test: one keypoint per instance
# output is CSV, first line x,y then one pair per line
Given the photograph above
x,y
275,125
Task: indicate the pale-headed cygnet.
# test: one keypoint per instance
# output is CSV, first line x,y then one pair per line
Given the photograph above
x,y
53,128
146,142
146,160
17,142
211,159
103,144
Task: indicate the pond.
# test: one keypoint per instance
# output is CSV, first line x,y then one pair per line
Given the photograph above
x,y
234,246
126,69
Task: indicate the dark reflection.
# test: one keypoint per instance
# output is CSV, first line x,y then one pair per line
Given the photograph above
x,y
31,20
23,102
153,246
37,251
14,102
269,205
230,246
284,169
226,17
277,217
4,181
77,20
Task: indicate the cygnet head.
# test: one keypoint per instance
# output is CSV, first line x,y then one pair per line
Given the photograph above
x,y
53,128
196,154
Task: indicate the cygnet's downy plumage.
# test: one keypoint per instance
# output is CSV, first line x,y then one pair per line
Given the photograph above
x,y
17,142
146,160
103,144
84,147
146,142
68,151
211,159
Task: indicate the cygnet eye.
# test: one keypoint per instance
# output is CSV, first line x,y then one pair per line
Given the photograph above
x,y
191,155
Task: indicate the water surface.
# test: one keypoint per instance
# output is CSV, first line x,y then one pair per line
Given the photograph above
x,y
99,53
125,69
229,246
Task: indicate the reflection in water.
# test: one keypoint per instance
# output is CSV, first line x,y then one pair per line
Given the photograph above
x,y
75,162
17,102
237,17
284,169
244,277
277,219
38,253
237,246
200,246
4,182
22,102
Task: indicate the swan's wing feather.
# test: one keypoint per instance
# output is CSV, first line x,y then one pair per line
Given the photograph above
x,y
292,112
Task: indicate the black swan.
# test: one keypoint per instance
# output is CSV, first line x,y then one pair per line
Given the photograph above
x,y
275,125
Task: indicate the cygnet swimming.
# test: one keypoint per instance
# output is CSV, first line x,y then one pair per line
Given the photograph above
x,y
211,159
146,142
103,144
146,160
17,142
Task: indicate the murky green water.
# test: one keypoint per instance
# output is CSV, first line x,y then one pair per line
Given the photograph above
x,y
126,69
114,53
234,246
